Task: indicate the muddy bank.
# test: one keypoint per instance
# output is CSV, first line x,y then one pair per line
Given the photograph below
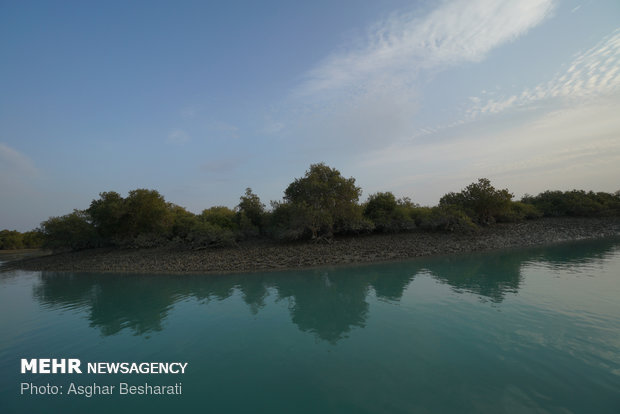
x,y
266,256
11,255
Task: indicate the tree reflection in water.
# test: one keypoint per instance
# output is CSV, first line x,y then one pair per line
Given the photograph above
x,y
327,303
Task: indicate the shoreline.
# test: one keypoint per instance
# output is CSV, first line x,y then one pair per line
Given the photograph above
x,y
254,256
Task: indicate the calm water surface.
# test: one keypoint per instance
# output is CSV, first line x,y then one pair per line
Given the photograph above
x,y
524,331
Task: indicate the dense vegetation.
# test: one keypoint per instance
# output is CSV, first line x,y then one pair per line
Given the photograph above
x,y
13,239
317,206
575,203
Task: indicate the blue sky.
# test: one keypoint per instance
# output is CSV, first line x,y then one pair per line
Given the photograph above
x,y
200,100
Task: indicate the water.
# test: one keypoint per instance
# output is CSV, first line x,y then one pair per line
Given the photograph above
x,y
523,331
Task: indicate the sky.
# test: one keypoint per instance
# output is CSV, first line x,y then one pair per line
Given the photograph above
x,y
200,100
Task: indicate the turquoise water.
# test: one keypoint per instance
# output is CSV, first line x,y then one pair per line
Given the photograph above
x,y
523,331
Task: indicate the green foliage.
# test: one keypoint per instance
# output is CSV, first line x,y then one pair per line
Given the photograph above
x,y
288,221
251,208
71,231
33,239
205,234
575,203
14,240
518,211
418,214
246,228
379,204
214,227
220,216
356,222
143,219
182,221
109,215
146,212
316,206
11,240
326,201
387,214
480,201
443,218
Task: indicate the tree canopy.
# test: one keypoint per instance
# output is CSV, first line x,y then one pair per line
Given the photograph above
x,y
387,213
13,239
480,201
326,200
251,206
316,206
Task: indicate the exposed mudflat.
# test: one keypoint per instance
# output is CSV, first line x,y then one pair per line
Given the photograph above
x,y
264,256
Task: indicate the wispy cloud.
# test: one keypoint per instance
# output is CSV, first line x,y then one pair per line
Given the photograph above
x,y
366,106
593,73
370,94
456,32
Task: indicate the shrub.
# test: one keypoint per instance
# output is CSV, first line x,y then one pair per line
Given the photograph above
x,y
205,234
11,240
357,223
387,214
288,221
324,200
220,216
251,215
146,212
120,221
246,228
251,207
182,221
518,211
33,239
108,215
444,218
72,231
575,203
480,201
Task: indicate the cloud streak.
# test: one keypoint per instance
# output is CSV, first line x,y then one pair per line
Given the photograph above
x,y
371,94
593,73
456,32
365,106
